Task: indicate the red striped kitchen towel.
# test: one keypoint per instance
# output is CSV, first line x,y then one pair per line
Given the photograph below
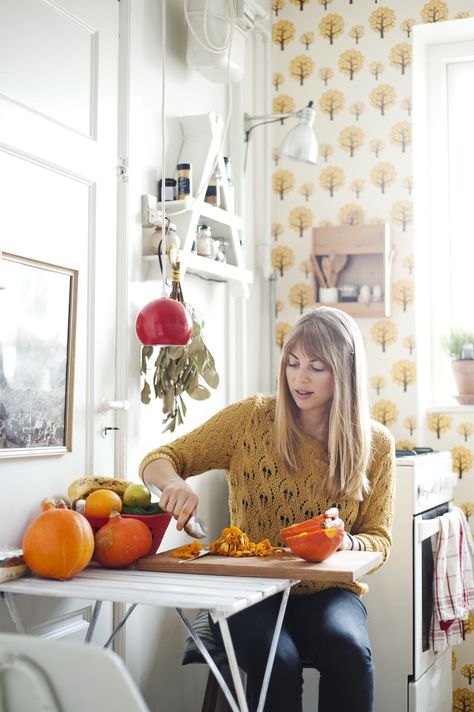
x,y
453,580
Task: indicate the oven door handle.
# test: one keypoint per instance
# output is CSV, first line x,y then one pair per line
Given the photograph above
x,y
426,528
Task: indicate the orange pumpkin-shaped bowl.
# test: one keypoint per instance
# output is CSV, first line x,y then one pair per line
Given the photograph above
x,y
58,543
157,524
314,524
316,545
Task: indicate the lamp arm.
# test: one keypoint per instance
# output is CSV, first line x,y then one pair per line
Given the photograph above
x,y
270,119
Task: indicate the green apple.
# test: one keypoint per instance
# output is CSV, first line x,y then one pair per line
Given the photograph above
x,y
137,495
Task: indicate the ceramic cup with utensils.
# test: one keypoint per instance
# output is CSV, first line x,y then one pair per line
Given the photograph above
x,y
328,295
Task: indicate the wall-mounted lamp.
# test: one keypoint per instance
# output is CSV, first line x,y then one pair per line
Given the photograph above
x,y
299,143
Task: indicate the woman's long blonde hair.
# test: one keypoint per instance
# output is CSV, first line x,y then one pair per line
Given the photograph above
x,y
332,336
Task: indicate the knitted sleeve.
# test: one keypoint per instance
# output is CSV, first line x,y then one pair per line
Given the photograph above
x,y
374,520
208,447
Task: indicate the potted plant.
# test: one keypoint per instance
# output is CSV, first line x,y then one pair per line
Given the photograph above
x,y
459,345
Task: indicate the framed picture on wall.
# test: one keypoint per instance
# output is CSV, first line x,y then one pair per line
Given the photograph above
x,y
37,344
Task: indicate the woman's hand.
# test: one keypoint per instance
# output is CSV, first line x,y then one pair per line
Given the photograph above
x,y
332,520
180,501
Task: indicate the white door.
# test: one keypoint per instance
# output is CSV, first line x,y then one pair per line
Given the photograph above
x,y
58,198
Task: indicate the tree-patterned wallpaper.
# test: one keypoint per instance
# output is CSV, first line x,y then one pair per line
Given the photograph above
x,y
353,59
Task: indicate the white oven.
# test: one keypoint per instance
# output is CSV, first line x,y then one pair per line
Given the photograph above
x,y
410,677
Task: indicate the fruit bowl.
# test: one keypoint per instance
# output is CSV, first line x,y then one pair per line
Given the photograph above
x,y
316,544
157,523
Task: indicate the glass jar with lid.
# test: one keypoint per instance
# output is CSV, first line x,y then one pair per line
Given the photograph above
x,y
204,241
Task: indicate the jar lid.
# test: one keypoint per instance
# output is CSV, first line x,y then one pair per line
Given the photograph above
x,y
183,166
211,190
168,181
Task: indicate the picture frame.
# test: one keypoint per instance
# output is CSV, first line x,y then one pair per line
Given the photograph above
x,y
38,308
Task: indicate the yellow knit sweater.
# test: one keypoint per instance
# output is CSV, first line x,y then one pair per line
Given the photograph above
x,y
264,496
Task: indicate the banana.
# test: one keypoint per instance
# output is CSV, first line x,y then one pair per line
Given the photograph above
x,y
85,485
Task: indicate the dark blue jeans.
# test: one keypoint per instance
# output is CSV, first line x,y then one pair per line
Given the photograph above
x,y
329,628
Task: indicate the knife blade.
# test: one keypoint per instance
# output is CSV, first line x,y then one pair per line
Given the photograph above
x,y
203,552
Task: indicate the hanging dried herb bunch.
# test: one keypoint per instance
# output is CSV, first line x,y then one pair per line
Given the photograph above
x,y
178,369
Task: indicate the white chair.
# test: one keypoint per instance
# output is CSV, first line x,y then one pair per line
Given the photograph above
x,y
63,676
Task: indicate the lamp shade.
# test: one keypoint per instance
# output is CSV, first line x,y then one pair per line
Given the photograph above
x,y
300,143
164,322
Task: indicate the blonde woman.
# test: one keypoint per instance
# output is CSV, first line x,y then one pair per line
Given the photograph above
x,y
310,450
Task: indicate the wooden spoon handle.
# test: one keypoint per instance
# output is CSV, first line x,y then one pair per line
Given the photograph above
x,y
319,274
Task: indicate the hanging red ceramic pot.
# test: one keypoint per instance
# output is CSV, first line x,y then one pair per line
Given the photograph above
x,y
164,322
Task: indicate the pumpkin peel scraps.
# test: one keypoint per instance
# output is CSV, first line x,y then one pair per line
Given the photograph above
x,y
234,542
188,551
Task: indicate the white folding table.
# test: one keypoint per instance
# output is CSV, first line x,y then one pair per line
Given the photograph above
x,y
222,596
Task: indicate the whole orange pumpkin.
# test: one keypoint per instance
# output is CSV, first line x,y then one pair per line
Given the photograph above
x,y
121,541
58,544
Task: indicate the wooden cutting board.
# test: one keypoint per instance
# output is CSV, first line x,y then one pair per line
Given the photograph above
x,y
342,567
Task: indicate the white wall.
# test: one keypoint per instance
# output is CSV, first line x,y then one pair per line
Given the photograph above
x,y
155,638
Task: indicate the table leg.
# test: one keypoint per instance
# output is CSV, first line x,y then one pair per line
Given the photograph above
x,y
120,625
232,660
273,647
212,665
93,621
14,613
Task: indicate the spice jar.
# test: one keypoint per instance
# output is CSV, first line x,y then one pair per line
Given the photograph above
x,y
204,241
170,189
185,183
212,195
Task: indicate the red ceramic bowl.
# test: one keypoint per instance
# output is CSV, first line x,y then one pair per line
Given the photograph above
x,y
315,545
157,523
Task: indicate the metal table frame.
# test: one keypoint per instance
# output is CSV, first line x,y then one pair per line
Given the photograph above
x,y
222,596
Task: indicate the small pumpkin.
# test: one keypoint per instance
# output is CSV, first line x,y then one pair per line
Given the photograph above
x,y
121,541
58,543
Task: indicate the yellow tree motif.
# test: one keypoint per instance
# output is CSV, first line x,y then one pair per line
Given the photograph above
x,y
434,11
283,182
277,80
376,145
461,15
357,108
465,429
439,423
357,32
307,189
306,267
409,263
282,258
300,219
468,624
275,156
283,104
277,5
400,56
307,39
351,138
357,186
468,509
326,73
406,25
331,102
385,412
403,292
409,343
467,671
277,229
376,68
301,68
331,26
381,20
351,214
404,373
283,32
384,333
406,104
299,3
405,445
300,296
331,179
462,460
324,223
463,700
325,150
410,423
278,307
402,213
350,62
408,184
377,383
376,221
382,97
383,175
282,330
325,3
401,134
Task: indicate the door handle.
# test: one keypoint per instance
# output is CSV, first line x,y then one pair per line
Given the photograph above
x,y
106,405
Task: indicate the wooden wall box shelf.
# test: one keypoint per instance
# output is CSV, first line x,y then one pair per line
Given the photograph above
x,y
369,258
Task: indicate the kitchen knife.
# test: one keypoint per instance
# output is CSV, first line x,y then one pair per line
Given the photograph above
x,y
195,526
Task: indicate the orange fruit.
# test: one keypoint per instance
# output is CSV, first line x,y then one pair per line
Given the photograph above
x,y
101,502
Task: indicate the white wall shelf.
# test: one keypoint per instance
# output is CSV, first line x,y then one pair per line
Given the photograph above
x,y
202,138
